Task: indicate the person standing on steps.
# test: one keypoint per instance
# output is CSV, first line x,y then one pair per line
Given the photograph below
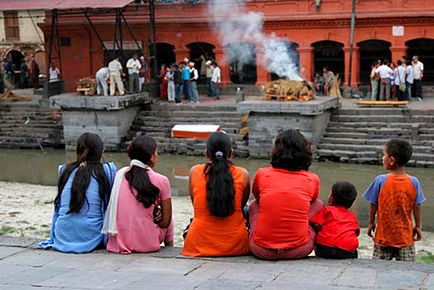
x,y
177,78
115,73
102,76
215,81
194,76
134,66
384,72
418,69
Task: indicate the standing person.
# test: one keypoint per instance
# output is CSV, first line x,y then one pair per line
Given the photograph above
x,y
115,73
9,69
163,84
392,81
2,80
170,77
400,77
203,66
215,81
286,197
24,70
139,217
83,193
409,80
177,78
384,72
101,76
219,191
143,73
186,79
328,80
35,72
319,84
194,76
133,66
418,69
208,75
374,81
337,228
54,73
395,200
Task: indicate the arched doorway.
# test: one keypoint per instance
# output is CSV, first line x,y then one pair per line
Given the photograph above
x,y
200,52
370,52
17,58
423,47
292,50
242,60
165,55
329,54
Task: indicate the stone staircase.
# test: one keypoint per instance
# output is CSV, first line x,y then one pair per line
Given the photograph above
x,y
358,135
157,120
29,126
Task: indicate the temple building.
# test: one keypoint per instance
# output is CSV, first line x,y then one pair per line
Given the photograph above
x,y
316,33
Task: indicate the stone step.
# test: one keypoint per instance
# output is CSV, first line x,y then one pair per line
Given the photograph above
x,y
382,111
370,132
383,118
370,147
198,114
354,124
330,140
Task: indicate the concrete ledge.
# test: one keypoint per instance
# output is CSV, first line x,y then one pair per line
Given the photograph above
x,y
24,268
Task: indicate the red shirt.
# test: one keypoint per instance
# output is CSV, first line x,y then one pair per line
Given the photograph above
x,y
339,228
284,199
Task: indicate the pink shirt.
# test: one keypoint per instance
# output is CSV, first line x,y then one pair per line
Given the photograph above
x,y
137,231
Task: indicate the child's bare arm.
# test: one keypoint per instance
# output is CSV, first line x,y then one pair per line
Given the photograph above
x,y
372,213
417,220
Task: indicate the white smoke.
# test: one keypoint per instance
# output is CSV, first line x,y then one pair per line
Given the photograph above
x,y
237,26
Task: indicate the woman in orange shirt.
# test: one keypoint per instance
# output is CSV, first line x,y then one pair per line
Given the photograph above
x,y
219,191
286,197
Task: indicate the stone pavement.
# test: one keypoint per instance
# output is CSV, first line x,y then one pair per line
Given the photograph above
x,y
25,267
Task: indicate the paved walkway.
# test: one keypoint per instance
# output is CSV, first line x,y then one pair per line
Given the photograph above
x,y
25,267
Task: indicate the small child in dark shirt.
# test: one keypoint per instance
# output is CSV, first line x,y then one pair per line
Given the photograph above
x,y
337,227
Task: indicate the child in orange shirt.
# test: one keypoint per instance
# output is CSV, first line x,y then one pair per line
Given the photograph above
x,y
337,227
394,198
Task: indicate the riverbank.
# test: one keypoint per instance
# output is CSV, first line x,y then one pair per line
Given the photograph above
x,y
26,210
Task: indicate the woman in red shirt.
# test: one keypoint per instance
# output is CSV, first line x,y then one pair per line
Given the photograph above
x,y
286,197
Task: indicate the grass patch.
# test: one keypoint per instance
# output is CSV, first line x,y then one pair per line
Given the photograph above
x,y
14,213
425,257
6,230
23,222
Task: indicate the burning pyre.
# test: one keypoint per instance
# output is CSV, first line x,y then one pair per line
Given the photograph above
x,y
288,90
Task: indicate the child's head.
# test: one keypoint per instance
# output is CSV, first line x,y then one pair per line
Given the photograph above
x,y
396,153
291,151
342,194
218,146
89,148
144,149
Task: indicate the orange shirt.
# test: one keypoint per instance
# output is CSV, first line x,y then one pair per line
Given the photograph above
x,y
284,201
215,236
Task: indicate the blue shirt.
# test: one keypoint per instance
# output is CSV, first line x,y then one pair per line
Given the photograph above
x,y
185,73
79,232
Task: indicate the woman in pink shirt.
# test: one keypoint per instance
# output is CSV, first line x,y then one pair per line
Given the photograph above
x,y
139,217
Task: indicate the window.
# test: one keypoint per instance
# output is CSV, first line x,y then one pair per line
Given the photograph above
x,y
65,41
12,28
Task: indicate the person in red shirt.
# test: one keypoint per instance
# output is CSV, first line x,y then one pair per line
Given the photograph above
x,y
286,196
337,227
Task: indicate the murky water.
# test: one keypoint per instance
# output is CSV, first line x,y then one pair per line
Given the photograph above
x,y
32,166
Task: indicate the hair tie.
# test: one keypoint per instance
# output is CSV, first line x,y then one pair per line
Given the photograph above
x,y
83,164
219,154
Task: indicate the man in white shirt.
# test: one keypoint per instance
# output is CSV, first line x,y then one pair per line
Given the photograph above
x,y
133,66
194,76
418,75
384,72
115,73
400,81
54,73
409,80
215,81
209,70
101,77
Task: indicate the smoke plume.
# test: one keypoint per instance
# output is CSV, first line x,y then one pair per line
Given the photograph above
x,y
237,26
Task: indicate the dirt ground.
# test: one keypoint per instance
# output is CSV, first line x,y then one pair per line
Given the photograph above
x,y
25,211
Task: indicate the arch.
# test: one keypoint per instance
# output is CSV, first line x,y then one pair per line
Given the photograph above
x,y
17,58
371,50
423,48
242,61
165,55
330,54
199,53
292,51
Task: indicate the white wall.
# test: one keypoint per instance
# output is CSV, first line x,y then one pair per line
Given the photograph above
x,y
29,30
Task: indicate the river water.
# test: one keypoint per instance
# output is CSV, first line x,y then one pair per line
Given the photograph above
x,y
33,166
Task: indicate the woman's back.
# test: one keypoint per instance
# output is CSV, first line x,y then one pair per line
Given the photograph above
x,y
79,232
216,236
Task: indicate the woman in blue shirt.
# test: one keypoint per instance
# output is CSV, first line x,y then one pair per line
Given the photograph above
x,y
83,194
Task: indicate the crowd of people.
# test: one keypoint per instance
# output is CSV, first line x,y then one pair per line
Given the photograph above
x,y
179,81
130,209
323,82
402,81
24,76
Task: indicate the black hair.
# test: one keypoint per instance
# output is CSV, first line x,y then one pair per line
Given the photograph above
x,y
89,154
343,194
220,190
400,149
399,62
142,148
291,151
386,62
